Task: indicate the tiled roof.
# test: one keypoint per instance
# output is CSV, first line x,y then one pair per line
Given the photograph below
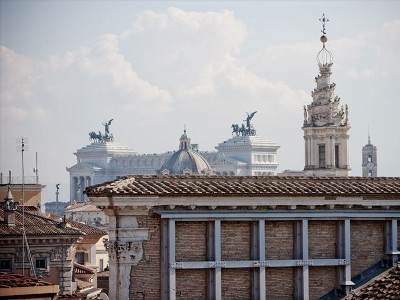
x,y
9,280
81,206
34,225
170,186
385,286
87,229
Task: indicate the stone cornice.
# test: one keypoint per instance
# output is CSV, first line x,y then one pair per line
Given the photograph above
x,y
140,205
38,240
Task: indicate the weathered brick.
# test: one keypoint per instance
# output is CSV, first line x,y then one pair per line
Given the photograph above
x,y
236,283
146,277
321,281
191,284
367,244
279,240
235,240
322,239
280,283
190,241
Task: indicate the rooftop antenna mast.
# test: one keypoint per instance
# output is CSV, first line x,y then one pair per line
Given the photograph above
x,y
22,145
57,188
36,170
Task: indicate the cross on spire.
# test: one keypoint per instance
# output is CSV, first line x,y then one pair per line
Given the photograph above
x,y
323,20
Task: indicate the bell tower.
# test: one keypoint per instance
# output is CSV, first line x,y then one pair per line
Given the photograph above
x,y
326,123
369,160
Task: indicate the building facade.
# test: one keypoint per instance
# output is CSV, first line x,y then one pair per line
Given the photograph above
x,y
28,194
246,237
32,245
103,160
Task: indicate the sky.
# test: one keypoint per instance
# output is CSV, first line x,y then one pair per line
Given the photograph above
x,y
155,67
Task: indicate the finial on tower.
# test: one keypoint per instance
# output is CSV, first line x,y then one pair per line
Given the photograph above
x,y
324,57
369,138
323,20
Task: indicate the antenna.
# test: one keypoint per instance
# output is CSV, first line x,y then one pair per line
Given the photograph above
x,y
57,188
36,171
22,145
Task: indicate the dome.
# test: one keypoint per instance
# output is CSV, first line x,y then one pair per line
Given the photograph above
x,y
185,160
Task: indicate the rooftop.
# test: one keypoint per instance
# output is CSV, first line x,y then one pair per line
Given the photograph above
x,y
385,286
268,186
34,225
9,280
16,286
80,207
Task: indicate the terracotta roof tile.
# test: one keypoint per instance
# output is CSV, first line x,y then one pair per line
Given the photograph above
x,y
81,206
34,225
251,185
385,286
87,229
10,280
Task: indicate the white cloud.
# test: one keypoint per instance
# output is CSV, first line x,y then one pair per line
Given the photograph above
x,y
16,76
182,49
376,50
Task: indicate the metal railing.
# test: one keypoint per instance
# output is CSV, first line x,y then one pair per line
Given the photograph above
x,y
18,179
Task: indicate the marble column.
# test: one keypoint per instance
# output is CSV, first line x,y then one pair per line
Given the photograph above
x,y
125,250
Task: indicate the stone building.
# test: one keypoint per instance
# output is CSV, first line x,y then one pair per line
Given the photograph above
x,y
89,214
326,123
103,160
51,245
30,191
369,160
212,237
185,160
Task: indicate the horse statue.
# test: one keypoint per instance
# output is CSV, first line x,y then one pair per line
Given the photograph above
x,y
235,129
93,136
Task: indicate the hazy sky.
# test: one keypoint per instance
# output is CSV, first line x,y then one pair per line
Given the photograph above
x,y
156,66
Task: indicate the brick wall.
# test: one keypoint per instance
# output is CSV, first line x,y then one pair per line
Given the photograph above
x,y
146,276
235,240
367,248
236,283
321,281
322,239
191,284
367,244
280,283
279,241
191,241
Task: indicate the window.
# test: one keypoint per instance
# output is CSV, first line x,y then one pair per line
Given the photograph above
x,y
321,152
40,263
5,264
336,156
80,257
101,265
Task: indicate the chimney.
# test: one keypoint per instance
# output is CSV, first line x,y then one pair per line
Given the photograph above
x,y
9,207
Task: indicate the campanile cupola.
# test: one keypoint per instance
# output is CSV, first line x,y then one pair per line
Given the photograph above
x,y
326,122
